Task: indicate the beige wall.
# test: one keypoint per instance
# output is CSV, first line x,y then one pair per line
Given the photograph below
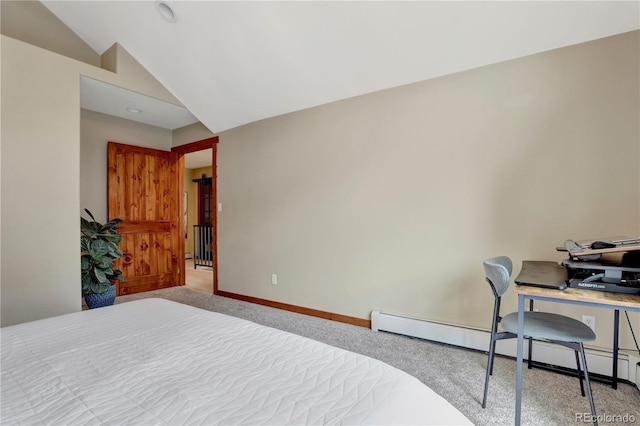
x,y
32,22
392,200
40,208
191,133
96,130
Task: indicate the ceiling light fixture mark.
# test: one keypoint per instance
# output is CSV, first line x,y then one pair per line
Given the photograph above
x,y
166,11
134,110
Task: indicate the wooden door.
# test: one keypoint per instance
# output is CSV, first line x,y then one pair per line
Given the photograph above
x,y
143,191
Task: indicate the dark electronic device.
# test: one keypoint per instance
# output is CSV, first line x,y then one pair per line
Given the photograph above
x,y
597,245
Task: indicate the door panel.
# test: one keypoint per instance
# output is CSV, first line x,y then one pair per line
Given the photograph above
x,y
142,188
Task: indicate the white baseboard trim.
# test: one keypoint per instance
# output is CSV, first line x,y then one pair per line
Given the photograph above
x,y
598,361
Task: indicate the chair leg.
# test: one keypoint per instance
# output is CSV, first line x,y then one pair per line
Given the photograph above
x,y
579,373
492,352
494,331
492,344
588,382
530,351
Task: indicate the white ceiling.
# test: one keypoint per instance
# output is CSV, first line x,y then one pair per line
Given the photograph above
x,y
231,63
112,100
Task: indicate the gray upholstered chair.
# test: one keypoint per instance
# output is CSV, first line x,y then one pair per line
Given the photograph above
x,y
544,326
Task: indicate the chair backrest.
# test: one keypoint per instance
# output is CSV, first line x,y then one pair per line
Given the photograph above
x,y
498,270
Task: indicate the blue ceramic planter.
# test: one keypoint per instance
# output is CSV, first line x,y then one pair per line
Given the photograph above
x,y
103,299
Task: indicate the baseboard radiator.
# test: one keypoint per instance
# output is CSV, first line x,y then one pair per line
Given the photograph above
x,y
599,361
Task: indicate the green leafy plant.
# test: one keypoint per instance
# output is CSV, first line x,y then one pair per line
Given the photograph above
x,y
98,249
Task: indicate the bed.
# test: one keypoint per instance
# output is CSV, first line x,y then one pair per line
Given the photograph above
x,y
153,361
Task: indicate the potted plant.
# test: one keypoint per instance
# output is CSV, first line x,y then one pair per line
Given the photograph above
x,y
98,249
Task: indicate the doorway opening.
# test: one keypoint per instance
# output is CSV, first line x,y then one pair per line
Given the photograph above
x,y
197,161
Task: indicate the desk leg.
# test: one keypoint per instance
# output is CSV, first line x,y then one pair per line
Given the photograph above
x,y
520,356
616,328
530,357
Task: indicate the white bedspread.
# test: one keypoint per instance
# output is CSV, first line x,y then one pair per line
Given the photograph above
x,y
154,361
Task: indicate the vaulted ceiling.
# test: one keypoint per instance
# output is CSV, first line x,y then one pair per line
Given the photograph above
x,y
231,63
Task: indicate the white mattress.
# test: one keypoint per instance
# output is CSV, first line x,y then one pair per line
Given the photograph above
x,y
154,361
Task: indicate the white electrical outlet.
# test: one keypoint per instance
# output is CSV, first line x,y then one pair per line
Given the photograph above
x,y
590,321
274,279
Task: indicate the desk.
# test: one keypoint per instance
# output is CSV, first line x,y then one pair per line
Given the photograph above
x,y
599,299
